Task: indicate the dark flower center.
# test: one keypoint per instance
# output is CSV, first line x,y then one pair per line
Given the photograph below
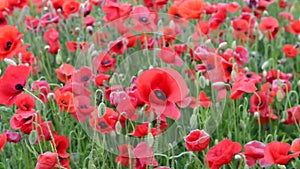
x,y
83,106
119,45
64,102
248,75
229,69
85,78
105,62
19,87
177,16
209,67
1,20
8,46
160,95
103,125
143,19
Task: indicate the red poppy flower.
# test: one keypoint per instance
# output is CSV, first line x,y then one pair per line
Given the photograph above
x,y
204,101
25,56
295,147
197,140
254,151
114,11
25,102
54,47
192,8
277,153
3,139
61,143
233,7
106,123
286,15
83,75
290,51
51,35
49,18
12,83
161,89
83,107
143,19
70,7
117,47
24,121
73,46
139,157
41,88
18,4
65,72
44,130
218,18
222,153
10,41
176,15
240,25
65,101
12,137
103,62
270,25
295,27
274,74
3,20
32,24
293,115
101,78
168,56
241,55
47,160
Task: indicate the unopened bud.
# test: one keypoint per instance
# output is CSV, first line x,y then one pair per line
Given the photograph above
x,y
256,115
202,82
265,65
118,127
101,109
58,57
10,62
223,45
150,139
219,84
279,96
193,121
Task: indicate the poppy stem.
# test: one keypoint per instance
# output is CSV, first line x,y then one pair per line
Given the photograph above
x,y
38,99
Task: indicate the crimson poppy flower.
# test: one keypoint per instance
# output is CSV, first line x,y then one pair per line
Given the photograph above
x,y
277,153
241,55
100,38
293,115
106,123
13,137
83,107
286,15
73,46
24,121
61,143
89,21
44,130
204,101
192,8
10,41
18,4
233,7
3,20
70,7
103,62
254,151
83,75
290,51
25,102
295,27
12,83
32,24
218,18
270,25
128,107
240,25
197,140
49,18
101,78
65,72
51,35
168,56
176,15
42,89
117,47
161,88
139,157
143,19
48,160
274,74
25,56
114,11
65,101
295,147
222,153
54,47
3,139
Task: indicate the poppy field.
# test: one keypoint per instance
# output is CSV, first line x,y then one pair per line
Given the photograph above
x,y
149,84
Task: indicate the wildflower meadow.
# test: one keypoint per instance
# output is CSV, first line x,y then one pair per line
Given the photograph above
x,y
149,84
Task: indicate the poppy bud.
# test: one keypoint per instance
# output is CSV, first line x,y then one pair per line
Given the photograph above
x,y
208,42
265,65
58,57
238,157
256,115
101,109
202,82
118,127
233,44
285,116
265,13
281,166
150,139
219,84
265,73
223,45
233,75
279,96
193,121
89,29
10,62
298,83
47,47
32,137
